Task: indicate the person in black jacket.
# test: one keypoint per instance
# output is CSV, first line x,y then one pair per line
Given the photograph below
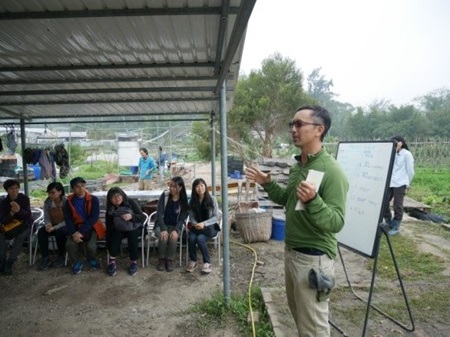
x,y
124,219
15,207
172,213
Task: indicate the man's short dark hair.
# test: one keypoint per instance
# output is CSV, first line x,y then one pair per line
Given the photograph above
x,y
10,182
76,181
143,149
320,115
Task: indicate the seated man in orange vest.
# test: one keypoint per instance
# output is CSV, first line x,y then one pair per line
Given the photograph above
x,y
83,226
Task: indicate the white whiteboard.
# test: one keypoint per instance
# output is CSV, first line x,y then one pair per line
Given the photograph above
x,y
368,167
128,153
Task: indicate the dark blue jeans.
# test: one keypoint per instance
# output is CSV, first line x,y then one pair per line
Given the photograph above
x,y
200,238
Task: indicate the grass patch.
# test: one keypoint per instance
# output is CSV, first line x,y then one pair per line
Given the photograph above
x,y
421,273
431,186
413,263
215,311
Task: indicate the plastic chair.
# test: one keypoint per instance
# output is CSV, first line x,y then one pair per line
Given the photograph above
x,y
149,236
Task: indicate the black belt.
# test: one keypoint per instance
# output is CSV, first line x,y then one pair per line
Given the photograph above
x,y
308,251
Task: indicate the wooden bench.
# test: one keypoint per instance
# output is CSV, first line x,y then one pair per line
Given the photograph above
x,y
411,203
233,189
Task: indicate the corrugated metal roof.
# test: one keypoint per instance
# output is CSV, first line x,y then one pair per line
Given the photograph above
x,y
103,58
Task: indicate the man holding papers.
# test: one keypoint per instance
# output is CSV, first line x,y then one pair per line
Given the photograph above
x,y
314,200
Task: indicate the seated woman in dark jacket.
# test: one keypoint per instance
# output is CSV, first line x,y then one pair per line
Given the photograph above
x,y
15,211
124,219
172,212
203,216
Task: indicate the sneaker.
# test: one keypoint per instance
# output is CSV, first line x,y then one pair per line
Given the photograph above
x,y
112,268
169,265
207,268
60,262
94,264
161,264
191,266
9,266
76,267
45,263
133,268
393,232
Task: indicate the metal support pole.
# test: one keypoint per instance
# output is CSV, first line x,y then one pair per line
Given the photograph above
x,y
213,153
224,189
24,164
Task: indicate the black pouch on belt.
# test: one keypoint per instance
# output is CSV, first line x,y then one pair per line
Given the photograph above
x,y
322,283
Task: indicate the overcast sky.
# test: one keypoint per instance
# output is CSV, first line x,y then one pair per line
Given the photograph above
x,y
372,49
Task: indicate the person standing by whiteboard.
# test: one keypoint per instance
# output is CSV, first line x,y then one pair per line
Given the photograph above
x,y
145,168
310,241
402,175
162,157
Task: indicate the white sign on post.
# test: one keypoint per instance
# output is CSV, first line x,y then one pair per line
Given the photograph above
x,y
128,153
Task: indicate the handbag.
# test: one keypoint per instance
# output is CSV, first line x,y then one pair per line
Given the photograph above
x,y
13,228
124,225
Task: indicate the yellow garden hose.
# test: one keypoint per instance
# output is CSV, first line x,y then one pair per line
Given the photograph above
x,y
250,284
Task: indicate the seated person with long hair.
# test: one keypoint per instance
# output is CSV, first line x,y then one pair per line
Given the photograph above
x,y
124,219
172,212
203,218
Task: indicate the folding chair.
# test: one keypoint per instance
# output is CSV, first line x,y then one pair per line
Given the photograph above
x,y
124,241
144,231
180,242
38,217
149,236
215,240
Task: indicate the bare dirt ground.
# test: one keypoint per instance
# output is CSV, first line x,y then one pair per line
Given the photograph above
x,y
151,303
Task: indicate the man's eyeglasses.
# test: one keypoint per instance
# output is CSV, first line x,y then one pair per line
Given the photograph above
x,y
298,124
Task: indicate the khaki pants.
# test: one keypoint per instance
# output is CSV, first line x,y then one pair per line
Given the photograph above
x,y
144,184
310,316
77,250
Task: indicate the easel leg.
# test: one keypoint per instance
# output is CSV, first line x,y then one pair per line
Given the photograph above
x,y
372,283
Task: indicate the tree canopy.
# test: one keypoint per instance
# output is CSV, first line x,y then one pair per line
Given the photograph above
x,y
264,103
266,100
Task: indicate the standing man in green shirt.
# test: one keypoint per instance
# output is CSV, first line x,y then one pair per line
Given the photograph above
x,y
314,214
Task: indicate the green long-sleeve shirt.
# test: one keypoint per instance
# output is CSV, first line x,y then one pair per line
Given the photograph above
x,y
315,226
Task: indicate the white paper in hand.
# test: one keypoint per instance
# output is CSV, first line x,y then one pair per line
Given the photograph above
x,y
314,177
